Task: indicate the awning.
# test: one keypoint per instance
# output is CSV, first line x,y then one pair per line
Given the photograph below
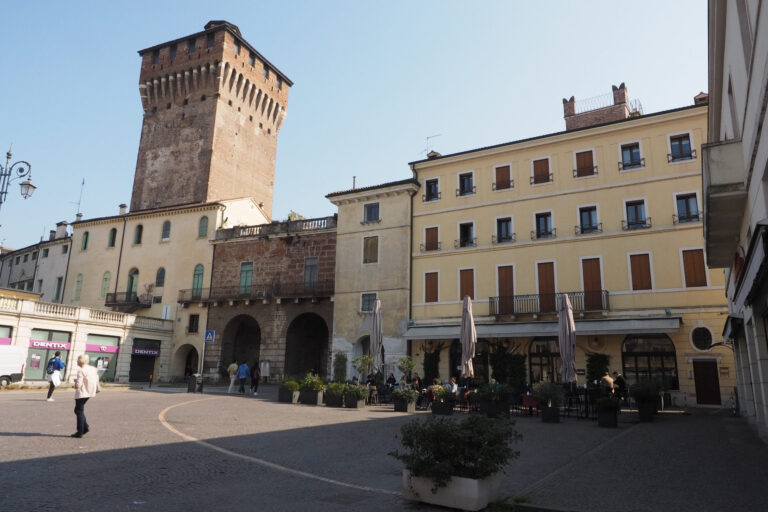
x,y
529,329
733,326
753,272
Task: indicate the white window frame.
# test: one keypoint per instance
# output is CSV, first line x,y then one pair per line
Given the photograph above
x,y
458,231
365,220
552,223
511,225
594,163
690,139
362,247
514,277
474,282
621,157
511,179
578,214
581,270
424,286
458,183
549,160
634,199
683,193
682,267
439,193
629,270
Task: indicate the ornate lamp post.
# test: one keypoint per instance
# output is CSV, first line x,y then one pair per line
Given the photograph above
x,y
15,171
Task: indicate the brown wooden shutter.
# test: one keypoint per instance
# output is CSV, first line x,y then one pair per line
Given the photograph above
x,y
546,276
430,287
431,239
467,284
693,263
584,164
502,177
640,265
593,285
506,290
541,171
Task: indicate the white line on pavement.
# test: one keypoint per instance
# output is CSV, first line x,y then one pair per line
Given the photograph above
x,y
263,462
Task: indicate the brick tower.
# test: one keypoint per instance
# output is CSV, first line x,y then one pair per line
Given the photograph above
x,y
213,107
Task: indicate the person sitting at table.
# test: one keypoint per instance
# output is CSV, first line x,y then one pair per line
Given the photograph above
x,y
433,390
416,384
355,381
391,381
606,384
369,381
452,387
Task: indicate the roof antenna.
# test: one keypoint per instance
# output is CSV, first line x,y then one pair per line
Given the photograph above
x,y
354,182
80,199
427,148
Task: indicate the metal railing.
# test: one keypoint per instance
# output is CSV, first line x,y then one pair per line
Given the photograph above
x,y
426,247
128,299
681,156
585,172
588,229
466,191
505,239
536,181
535,235
584,301
503,184
435,197
316,289
632,164
467,242
682,219
277,227
638,224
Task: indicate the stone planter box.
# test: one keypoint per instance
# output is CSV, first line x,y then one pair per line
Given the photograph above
x,y
461,493
334,400
352,402
494,409
442,408
608,418
289,397
403,406
646,410
311,397
550,415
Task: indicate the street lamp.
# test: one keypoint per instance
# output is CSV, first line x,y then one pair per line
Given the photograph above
x,y
14,171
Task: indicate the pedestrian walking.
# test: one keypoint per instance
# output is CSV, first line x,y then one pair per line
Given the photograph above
x,y
242,374
255,378
53,373
232,371
86,386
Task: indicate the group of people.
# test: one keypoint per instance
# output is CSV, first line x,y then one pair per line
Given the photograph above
x,y
86,386
241,372
613,386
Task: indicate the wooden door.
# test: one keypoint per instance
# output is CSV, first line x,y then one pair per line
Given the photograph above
x,y
506,290
584,165
707,383
593,285
546,277
430,287
467,283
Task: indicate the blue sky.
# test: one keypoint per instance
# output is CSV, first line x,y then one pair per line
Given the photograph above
x,y
371,82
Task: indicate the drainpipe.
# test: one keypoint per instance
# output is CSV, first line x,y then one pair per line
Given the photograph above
x,y
410,265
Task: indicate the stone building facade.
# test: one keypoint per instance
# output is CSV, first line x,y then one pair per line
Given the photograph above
x,y
270,300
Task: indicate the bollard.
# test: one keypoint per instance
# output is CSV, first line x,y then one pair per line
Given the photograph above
x,y
150,381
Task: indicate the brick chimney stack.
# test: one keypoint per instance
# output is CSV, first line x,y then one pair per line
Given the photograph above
x,y
602,111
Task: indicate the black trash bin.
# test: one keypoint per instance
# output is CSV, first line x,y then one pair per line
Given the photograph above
x,y
195,383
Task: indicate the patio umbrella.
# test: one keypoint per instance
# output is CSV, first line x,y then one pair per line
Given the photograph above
x,y
566,337
467,338
376,340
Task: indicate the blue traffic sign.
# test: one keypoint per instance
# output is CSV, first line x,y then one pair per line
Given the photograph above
x,y
210,336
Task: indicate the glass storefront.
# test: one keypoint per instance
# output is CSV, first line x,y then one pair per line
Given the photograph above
x,y
102,353
650,356
5,334
43,344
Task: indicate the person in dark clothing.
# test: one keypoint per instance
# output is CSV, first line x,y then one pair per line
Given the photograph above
x,y
56,365
255,378
619,385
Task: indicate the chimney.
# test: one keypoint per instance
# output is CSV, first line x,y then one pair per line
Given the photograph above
x,y
61,229
433,154
620,96
600,109
52,235
701,99
354,182
78,217
569,107
122,208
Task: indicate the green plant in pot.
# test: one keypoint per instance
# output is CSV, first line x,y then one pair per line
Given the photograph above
x,y
548,393
354,396
443,402
494,399
455,463
404,400
311,390
339,367
646,395
406,365
362,365
607,412
289,391
334,394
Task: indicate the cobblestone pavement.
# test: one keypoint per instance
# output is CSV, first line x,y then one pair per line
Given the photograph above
x,y
257,454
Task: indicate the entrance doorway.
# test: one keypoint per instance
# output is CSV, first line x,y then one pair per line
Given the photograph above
x,y
707,383
307,345
242,341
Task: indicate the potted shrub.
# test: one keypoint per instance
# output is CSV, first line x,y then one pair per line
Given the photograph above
x,y
406,365
548,394
289,392
494,402
607,412
339,367
455,463
362,364
444,402
311,390
646,395
354,397
405,400
334,394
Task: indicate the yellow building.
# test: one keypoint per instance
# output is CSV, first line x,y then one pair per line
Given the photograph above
x,y
607,212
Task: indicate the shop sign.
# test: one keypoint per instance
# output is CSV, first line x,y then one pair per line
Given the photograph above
x,y
5,341
106,349
152,352
54,345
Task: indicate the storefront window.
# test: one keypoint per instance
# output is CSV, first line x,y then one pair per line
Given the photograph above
x,y
650,356
544,360
102,353
43,344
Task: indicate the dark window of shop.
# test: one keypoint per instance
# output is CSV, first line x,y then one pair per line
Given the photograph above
x,y
650,356
143,365
37,357
544,363
5,332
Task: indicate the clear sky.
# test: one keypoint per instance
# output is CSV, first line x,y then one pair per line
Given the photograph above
x,y
371,81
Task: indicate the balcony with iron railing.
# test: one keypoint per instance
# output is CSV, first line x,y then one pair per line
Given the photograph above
x,y
540,180
632,164
681,156
300,290
682,219
466,191
503,239
128,301
430,246
581,302
503,184
426,198
587,229
636,224
465,242
542,235
585,172
287,227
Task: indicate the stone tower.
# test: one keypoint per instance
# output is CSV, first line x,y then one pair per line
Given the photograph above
x,y
213,107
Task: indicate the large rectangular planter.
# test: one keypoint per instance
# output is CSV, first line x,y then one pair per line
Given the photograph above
x,y
334,400
461,493
550,415
494,409
311,397
442,408
403,406
646,410
352,402
289,397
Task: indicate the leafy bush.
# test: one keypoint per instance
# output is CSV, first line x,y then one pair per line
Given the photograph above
x,y
597,365
290,385
360,392
443,395
645,391
335,389
607,404
340,367
311,382
440,448
548,392
406,365
362,364
407,395
500,393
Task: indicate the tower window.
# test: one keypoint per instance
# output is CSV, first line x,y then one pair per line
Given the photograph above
x,y
191,46
265,73
209,42
173,51
251,59
279,83
155,56
237,47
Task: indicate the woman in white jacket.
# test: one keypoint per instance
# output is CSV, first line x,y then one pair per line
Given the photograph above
x,y
86,386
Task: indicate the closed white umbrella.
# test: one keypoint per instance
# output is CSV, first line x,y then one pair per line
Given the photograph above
x,y
467,338
566,337
376,339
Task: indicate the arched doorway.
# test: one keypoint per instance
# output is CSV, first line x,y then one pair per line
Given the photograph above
x,y
650,356
186,361
242,341
306,345
544,360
